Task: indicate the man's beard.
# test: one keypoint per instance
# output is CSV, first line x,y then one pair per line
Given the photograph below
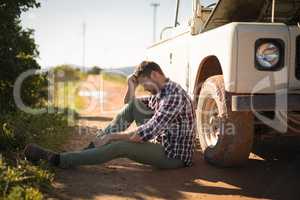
x,y
153,91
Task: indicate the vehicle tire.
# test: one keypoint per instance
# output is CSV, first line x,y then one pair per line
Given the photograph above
x,y
225,137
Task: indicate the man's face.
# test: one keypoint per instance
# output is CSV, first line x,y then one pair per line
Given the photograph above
x,y
149,84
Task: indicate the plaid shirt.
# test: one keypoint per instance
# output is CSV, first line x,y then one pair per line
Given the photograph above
x,y
173,122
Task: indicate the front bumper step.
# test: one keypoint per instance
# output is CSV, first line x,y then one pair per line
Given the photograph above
x,y
266,102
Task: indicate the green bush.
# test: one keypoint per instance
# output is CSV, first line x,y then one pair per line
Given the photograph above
x,y
18,129
18,178
95,70
18,52
23,181
63,73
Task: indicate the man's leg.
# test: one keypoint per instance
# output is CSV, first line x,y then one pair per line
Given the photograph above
x,y
135,110
146,153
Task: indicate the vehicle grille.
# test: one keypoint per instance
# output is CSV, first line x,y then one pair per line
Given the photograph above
x,y
298,58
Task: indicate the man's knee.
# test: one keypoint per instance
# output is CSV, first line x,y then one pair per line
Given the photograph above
x,y
140,107
141,112
120,147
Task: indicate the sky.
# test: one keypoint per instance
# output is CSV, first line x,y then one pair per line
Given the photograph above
x,y
117,31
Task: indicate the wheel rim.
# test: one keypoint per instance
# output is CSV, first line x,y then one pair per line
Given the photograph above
x,y
210,122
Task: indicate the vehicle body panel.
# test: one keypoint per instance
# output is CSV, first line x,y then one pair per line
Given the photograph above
x,y
229,35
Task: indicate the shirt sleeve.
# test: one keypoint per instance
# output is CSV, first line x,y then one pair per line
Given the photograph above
x,y
145,100
169,108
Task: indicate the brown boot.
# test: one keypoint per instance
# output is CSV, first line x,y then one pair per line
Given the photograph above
x,y
35,153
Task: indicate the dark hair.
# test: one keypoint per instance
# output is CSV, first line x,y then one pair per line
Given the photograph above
x,y
146,67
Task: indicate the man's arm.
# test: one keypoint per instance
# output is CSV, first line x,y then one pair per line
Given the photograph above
x,y
169,108
130,136
132,83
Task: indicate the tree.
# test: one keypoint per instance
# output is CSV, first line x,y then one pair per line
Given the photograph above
x,y
66,73
18,52
95,70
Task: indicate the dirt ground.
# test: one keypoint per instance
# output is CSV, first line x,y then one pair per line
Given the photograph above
x,y
124,179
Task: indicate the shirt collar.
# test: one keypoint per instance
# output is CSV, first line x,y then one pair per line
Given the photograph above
x,y
165,89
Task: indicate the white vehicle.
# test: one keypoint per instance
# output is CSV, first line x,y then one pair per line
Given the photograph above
x,y
240,61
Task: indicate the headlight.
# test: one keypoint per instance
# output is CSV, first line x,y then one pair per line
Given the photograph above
x,y
269,54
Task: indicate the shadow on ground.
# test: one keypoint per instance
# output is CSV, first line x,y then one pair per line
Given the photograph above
x,y
125,179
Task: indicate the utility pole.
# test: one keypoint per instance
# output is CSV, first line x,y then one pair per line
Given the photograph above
x,y
83,44
155,6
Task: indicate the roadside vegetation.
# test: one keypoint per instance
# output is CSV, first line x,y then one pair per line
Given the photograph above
x,y
18,52
121,80
66,80
19,179
116,78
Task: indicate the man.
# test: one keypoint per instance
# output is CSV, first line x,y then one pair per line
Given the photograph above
x,y
167,116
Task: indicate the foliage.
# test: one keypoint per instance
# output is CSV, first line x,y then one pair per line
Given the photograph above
x,y
17,55
67,73
18,178
66,81
66,96
118,78
18,129
95,70
23,180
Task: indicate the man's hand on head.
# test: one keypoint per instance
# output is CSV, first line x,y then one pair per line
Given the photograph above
x,y
132,81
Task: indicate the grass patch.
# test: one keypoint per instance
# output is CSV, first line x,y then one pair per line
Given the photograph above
x,y
18,178
22,180
117,78
18,129
66,96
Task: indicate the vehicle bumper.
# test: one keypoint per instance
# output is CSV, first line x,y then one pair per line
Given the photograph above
x,y
265,102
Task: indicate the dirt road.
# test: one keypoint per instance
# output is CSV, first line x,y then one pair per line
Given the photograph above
x,y
124,179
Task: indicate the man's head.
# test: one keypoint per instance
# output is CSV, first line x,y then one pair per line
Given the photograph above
x,y
150,76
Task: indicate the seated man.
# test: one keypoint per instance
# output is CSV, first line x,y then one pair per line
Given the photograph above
x,y
166,116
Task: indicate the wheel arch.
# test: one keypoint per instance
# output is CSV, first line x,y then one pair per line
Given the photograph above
x,y
209,66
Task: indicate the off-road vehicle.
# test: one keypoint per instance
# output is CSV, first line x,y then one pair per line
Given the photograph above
x,y
240,61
